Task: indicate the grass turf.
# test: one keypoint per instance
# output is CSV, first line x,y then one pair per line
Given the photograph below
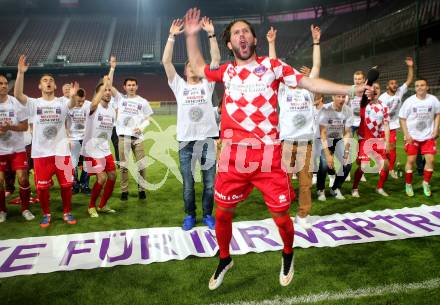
x,y
254,276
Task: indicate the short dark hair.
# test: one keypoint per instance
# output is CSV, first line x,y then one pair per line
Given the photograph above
x,y
1,75
99,85
47,74
128,79
226,35
81,92
422,78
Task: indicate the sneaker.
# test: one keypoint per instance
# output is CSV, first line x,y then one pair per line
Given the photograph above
x,y
69,219
8,193
355,193
2,216
188,222
363,179
294,177
314,179
287,271
45,222
92,212
27,215
426,189
331,180
124,196
393,174
382,192
303,222
106,209
217,278
85,189
337,194
142,195
209,221
409,190
348,179
321,196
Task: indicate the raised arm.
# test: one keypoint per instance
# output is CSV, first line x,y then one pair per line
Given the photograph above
x,y
214,50
167,57
192,28
98,95
316,35
111,73
271,37
410,64
72,93
319,85
18,88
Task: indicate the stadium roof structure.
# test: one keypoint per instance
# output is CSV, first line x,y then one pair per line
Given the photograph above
x,y
165,7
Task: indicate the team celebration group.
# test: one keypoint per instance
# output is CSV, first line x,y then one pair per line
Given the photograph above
x,y
272,125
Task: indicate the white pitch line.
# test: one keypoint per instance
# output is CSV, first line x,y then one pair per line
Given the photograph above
x,y
346,294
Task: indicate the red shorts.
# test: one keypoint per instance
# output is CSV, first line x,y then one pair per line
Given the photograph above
x,y
96,166
371,148
13,162
46,167
393,135
241,168
427,147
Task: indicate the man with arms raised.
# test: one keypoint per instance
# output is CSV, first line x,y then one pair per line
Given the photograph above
x,y
392,98
50,147
251,153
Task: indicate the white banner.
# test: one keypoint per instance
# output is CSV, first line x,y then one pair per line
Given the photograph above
x,y
145,246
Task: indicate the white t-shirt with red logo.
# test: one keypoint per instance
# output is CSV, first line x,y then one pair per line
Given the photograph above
x,y
335,121
12,112
393,103
99,126
297,120
355,105
195,115
249,108
77,122
132,111
373,117
420,115
49,131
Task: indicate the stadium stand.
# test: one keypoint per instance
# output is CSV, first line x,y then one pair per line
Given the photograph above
x,y
132,40
84,40
35,41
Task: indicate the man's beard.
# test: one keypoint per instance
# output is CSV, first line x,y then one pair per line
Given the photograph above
x,y
237,54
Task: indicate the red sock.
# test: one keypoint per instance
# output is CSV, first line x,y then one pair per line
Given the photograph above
x,y
383,176
408,177
357,177
2,201
427,176
108,191
393,156
25,195
96,190
66,196
285,227
44,197
223,231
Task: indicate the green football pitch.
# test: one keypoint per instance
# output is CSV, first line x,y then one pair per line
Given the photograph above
x,y
393,272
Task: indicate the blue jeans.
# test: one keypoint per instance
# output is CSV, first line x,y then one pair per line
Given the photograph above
x,y
202,151
337,150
